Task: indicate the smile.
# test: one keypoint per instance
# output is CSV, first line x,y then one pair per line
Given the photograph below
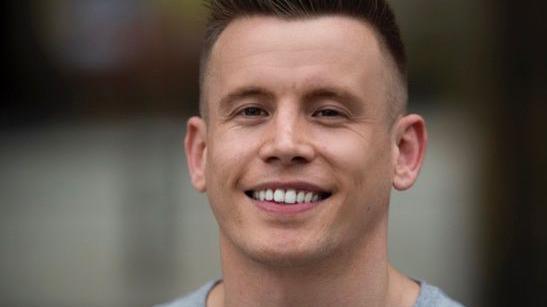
x,y
287,196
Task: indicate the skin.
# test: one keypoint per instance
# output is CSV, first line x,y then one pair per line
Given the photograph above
x,y
304,101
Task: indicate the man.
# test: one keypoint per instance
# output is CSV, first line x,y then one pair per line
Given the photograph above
x,y
303,133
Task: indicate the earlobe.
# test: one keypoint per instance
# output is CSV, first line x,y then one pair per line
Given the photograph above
x,y
411,143
195,145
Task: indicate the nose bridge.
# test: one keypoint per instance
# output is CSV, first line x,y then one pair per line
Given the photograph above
x,y
287,141
286,127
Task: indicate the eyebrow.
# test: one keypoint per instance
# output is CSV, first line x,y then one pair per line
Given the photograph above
x,y
244,93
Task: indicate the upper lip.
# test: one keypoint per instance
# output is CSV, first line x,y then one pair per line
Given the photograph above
x,y
295,185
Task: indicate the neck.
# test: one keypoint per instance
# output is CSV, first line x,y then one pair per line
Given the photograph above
x,y
356,276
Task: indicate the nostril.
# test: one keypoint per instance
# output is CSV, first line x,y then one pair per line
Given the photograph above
x,y
294,152
299,159
293,160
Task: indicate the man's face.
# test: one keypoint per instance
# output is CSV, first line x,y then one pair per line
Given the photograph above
x,y
299,107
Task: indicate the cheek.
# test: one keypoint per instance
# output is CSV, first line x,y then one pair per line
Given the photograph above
x,y
225,152
224,168
229,156
361,160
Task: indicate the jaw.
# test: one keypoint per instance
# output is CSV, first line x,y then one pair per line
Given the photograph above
x,y
278,238
277,247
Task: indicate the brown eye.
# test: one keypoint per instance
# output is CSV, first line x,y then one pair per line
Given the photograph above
x,y
327,113
253,112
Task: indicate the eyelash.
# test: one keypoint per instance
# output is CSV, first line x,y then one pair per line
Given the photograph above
x,y
243,111
326,113
330,113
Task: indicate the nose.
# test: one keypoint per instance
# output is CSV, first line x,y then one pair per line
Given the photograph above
x,y
287,141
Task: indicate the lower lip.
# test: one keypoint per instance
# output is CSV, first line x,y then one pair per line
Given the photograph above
x,y
273,207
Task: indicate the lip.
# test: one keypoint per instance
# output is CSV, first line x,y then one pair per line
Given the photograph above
x,y
276,208
292,209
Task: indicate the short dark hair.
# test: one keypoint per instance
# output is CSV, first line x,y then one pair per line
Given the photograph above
x,y
376,13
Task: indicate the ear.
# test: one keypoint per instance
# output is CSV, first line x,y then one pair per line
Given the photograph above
x,y
409,150
195,145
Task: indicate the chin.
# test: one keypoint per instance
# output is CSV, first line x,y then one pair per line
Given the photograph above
x,y
284,259
289,254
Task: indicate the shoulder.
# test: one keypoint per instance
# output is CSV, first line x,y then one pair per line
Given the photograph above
x,y
196,298
431,296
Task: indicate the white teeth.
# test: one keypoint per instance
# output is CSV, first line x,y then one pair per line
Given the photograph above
x,y
269,194
289,196
300,197
308,197
279,195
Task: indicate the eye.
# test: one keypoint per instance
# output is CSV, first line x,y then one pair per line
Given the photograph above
x,y
252,112
330,113
327,113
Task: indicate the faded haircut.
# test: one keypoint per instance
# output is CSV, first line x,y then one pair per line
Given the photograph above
x,y
376,13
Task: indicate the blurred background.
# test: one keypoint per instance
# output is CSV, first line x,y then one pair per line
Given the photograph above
x,y
96,208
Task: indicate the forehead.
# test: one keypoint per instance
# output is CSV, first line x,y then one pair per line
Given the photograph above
x,y
295,54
